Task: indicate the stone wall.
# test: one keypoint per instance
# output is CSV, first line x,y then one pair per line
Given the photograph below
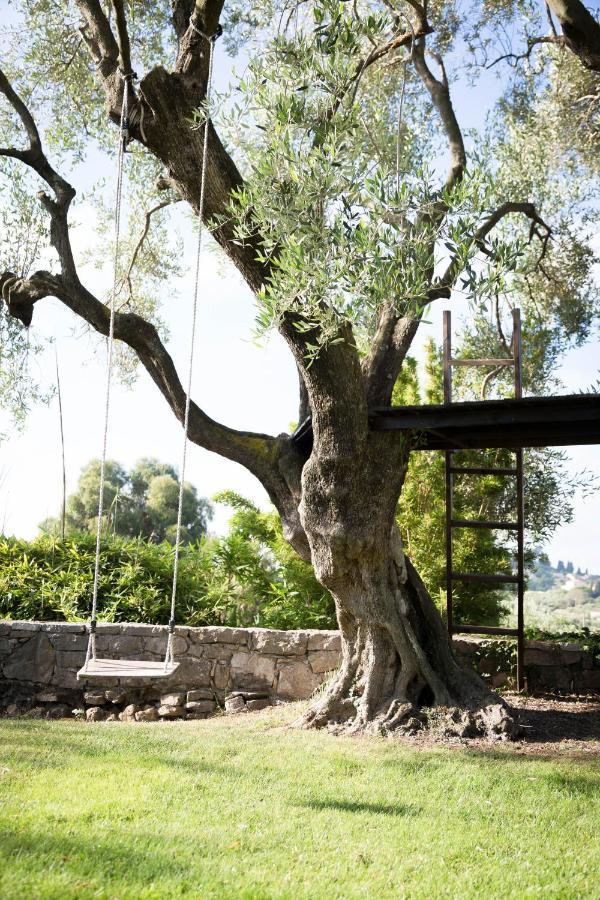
x,y
233,668
549,667
39,662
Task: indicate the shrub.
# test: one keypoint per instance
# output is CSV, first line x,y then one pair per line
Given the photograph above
x,y
231,580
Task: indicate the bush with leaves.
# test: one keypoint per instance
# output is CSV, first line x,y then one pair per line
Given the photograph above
x,y
248,577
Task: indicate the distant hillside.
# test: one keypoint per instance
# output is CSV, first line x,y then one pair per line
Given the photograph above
x,y
544,577
562,598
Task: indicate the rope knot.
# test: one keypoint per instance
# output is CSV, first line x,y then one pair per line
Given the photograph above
x,y
211,38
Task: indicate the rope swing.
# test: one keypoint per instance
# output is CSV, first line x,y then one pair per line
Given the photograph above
x,y
186,419
95,667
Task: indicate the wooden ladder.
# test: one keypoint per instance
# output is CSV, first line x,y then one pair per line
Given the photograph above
x,y
517,526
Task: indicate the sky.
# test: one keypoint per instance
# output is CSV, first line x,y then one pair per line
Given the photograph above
x,y
236,381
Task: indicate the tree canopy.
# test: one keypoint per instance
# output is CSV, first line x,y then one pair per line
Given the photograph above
x,y
339,196
139,503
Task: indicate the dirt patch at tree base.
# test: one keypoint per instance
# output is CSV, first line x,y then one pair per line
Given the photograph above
x,y
569,722
550,725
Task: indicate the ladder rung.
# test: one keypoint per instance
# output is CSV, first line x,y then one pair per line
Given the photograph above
x,y
484,629
482,523
482,362
481,470
476,577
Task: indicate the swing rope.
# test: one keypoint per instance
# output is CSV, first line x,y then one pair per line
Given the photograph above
x,y
186,419
123,139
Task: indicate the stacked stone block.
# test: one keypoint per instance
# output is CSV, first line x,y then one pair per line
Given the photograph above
x,y
222,669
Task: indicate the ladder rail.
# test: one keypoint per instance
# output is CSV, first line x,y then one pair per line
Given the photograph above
x,y
518,357
518,526
447,356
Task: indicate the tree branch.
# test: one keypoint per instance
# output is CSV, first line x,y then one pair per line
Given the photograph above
x,y
389,347
110,55
443,286
439,91
581,31
160,119
192,58
257,452
99,39
123,36
395,333
34,156
142,238
403,39
531,44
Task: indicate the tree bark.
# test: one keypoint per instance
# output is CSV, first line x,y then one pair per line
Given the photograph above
x,y
581,31
396,654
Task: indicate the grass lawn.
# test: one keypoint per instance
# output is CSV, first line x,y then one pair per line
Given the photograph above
x,y
245,807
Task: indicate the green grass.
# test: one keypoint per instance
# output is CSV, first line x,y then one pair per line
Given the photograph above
x,y
246,807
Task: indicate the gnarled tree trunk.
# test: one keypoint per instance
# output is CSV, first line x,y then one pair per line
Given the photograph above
x,y
397,657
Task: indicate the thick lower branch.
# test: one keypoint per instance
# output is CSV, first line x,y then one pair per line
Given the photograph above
x,y
272,460
390,345
581,31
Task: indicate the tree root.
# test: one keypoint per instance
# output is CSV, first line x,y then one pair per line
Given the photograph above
x,y
493,721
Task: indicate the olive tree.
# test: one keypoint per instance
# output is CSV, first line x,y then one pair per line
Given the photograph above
x,y
338,184
139,503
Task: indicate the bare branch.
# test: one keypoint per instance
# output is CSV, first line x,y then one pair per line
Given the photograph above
x,y
123,36
22,111
35,158
19,294
142,238
515,58
440,95
551,20
99,38
487,380
499,328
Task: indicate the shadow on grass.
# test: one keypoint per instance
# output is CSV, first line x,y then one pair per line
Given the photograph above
x,y
357,806
36,745
138,860
587,786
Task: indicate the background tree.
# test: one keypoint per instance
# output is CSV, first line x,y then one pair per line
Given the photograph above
x,y
139,503
325,187
421,510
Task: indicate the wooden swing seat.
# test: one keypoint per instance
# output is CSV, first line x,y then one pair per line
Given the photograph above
x,y
126,668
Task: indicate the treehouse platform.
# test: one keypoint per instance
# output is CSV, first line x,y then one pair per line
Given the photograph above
x,y
521,422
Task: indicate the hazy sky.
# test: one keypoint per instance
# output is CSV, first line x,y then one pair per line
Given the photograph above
x,y
235,381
